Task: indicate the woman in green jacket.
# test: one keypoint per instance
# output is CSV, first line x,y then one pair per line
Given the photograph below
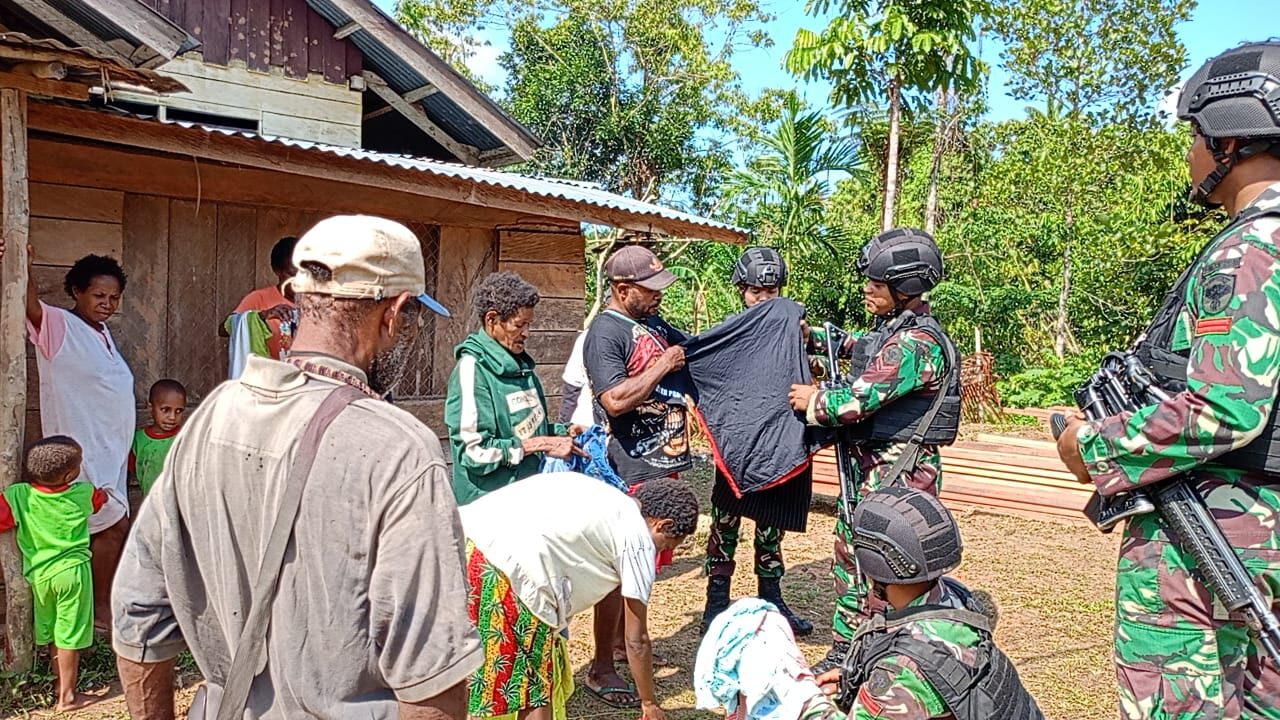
x,y
496,410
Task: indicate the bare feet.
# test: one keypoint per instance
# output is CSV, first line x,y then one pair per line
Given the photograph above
x,y
76,702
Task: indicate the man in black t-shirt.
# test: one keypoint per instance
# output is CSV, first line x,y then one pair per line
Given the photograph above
x,y
634,363
633,360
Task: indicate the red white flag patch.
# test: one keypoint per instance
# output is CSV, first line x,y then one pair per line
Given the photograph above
x,y
1213,326
869,703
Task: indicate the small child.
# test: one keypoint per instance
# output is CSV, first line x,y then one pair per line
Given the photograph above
x,y
168,403
51,514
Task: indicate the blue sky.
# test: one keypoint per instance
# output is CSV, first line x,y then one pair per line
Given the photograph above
x,y
1215,26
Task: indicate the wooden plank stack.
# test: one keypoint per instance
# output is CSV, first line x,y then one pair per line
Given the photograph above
x,y
1006,474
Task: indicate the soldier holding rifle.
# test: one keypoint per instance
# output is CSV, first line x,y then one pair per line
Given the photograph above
x,y
1213,350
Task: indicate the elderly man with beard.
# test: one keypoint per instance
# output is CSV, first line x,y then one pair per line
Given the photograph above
x,y
368,617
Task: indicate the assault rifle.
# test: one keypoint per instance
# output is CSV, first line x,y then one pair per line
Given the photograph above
x,y
835,339
1123,384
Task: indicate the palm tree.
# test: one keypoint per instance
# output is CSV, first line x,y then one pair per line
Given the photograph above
x,y
785,189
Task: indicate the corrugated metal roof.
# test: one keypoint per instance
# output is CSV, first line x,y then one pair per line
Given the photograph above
x,y
402,77
106,27
573,191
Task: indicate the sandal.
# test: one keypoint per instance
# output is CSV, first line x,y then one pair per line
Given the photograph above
x,y
606,695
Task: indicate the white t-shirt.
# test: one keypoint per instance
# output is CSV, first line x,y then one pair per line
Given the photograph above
x,y
564,540
575,374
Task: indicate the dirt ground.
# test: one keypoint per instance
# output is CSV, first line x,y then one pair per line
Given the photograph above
x,y
1053,582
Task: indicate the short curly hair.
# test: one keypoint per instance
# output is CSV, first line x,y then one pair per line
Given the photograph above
x,y
504,293
89,267
48,460
669,499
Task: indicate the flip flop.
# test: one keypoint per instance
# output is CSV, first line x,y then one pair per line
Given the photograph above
x,y
605,693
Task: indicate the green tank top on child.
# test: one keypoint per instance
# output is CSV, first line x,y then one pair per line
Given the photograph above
x,y
149,453
53,527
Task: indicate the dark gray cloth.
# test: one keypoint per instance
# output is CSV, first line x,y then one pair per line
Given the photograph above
x,y
742,370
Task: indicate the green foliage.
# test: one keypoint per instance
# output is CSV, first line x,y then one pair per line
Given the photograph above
x,y
446,26
1044,386
627,93
870,46
1109,59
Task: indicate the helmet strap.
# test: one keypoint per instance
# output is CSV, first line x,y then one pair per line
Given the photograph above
x,y
1224,163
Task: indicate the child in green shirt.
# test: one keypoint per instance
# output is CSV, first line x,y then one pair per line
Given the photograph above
x,y
50,512
168,403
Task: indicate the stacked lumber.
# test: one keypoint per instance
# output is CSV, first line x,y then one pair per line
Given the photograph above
x,y
1006,474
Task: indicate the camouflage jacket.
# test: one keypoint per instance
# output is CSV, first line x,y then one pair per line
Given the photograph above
x,y
1230,325
909,362
896,688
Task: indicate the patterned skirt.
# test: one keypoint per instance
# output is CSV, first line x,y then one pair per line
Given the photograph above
x,y
519,649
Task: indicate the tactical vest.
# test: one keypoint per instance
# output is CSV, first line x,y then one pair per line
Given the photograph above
x,y
1154,348
898,421
989,689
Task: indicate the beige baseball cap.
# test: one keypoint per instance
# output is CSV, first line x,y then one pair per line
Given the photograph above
x,y
370,257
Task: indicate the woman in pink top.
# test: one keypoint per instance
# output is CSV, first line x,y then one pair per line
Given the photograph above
x,y
269,302
86,393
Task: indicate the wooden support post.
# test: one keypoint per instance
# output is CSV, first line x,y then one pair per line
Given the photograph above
x,y
14,213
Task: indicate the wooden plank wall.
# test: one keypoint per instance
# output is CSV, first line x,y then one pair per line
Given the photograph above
x,y
265,34
550,257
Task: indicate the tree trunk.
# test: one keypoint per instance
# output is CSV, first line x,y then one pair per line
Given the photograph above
x,y
13,358
891,157
935,168
1062,328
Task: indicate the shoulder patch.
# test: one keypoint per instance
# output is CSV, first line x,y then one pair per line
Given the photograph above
x,y
892,354
869,703
1216,293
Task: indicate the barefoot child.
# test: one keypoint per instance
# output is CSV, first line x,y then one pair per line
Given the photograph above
x,y
168,403
51,514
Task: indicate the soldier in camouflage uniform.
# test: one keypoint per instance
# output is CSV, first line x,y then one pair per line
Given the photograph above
x,y
759,275
928,653
1178,653
898,368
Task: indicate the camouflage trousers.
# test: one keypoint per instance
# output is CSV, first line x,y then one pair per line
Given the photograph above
x,y
722,545
1178,654
854,601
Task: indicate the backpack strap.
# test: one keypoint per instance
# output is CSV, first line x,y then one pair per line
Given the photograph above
x,y
250,655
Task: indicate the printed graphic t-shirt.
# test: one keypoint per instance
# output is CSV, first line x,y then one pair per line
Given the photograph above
x,y
652,440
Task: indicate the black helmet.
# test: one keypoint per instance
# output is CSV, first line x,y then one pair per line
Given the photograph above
x,y
903,536
760,267
905,259
1234,95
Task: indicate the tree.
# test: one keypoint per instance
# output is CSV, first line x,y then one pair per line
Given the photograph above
x,y
783,194
1091,62
632,94
1109,60
447,27
890,50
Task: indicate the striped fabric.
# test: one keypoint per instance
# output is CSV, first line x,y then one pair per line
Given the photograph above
x,y
519,649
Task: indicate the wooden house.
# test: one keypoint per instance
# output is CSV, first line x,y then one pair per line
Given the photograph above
x,y
297,109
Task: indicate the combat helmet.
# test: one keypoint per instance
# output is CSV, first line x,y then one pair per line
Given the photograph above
x,y
906,259
902,536
760,267
1234,95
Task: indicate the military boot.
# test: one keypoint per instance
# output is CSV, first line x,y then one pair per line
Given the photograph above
x,y
834,659
770,589
717,599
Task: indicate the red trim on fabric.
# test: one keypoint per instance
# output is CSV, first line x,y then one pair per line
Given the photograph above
x,y
99,499
157,435
7,522
724,470
133,462
872,705
50,489
1214,326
